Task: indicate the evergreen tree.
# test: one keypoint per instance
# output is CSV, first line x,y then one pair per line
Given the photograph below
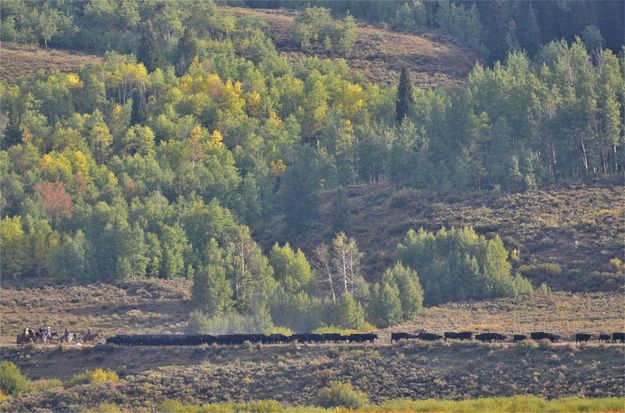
x,y
341,212
496,30
187,51
531,34
150,52
404,102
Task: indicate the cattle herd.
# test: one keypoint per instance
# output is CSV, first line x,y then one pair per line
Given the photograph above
x,y
45,336
496,337
236,339
239,339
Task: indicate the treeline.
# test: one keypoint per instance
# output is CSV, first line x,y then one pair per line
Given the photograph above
x,y
493,27
160,168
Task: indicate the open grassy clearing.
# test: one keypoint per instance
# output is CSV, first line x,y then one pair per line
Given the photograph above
x,y
294,375
156,306
149,306
433,58
23,60
579,228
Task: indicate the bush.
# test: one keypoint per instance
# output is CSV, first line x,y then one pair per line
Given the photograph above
x,y
541,272
105,408
339,394
12,382
96,376
42,385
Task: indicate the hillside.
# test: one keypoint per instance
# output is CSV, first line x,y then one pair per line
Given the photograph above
x,y
433,58
294,375
156,306
578,228
23,60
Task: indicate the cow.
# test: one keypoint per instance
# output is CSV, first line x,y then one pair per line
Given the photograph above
x,y
620,337
429,336
519,337
490,337
334,338
400,336
464,335
362,338
605,338
539,335
582,338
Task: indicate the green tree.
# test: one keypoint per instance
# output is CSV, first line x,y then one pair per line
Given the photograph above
x,y
187,51
385,305
531,36
349,313
71,260
212,292
458,264
341,211
150,51
404,102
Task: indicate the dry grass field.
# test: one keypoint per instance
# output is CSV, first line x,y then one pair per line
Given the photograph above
x,y
294,375
579,228
150,306
433,59
23,60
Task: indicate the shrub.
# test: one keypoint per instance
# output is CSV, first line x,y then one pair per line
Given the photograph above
x,y
12,382
96,376
541,272
42,385
339,394
105,408
402,198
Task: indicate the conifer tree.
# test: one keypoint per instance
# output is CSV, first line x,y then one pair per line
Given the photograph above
x,y
150,52
531,36
187,51
404,102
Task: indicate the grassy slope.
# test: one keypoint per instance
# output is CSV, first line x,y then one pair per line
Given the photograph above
x,y
579,228
23,60
433,58
295,375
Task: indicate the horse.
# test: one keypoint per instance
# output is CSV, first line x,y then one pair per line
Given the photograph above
x,y
90,337
70,338
43,335
26,337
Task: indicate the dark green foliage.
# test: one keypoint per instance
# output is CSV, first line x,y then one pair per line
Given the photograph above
x,y
150,51
458,264
341,212
404,103
187,51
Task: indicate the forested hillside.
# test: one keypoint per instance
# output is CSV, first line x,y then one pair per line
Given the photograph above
x,y
194,137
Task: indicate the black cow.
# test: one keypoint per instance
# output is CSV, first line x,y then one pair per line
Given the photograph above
x,y
307,338
490,337
620,337
275,339
362,338
605,337
400,336
334,338
519,337
464,335
429,336
582,338
539,335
